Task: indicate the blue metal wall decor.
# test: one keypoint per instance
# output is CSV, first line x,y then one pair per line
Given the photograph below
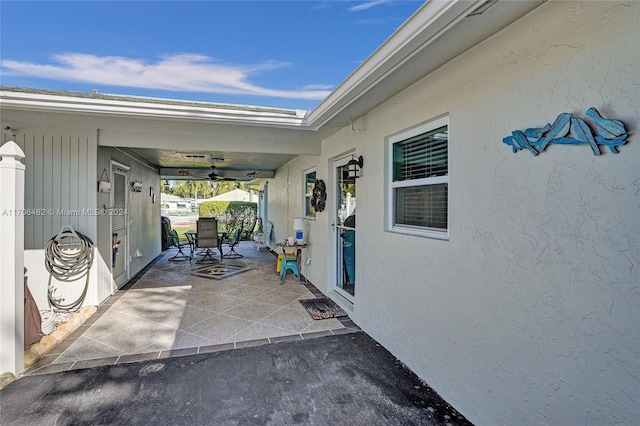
x,y
567,130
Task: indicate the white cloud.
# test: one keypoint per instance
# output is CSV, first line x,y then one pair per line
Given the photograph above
x,y
367,5
318,87
182,72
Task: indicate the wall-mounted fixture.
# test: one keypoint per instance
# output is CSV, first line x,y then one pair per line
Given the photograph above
x,y
354,166
136,186
103,184
167,187
261,194
568,130
13,131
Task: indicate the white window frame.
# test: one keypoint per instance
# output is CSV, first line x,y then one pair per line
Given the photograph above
x,y
391,185
307,195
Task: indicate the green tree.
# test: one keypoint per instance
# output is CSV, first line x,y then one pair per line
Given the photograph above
x,y
202,189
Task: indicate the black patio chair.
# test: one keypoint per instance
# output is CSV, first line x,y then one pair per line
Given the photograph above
x,y
233,242
175,240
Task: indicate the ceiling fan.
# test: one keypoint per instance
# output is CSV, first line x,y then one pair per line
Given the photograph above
x,y
213,176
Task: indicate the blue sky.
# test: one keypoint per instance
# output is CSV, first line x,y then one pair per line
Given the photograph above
x,y
287,54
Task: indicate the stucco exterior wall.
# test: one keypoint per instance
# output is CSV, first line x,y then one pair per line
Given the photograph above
x,y
529,313
285,198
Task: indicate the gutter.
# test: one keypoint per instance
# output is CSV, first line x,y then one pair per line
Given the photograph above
x,y
81,103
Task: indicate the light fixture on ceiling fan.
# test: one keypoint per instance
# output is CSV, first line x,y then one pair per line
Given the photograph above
x,y
213,176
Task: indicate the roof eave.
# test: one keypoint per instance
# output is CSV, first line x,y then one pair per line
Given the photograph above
x,y
68,103
434,35
428,23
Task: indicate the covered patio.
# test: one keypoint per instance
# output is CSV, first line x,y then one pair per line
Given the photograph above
x,y
506,279
167,311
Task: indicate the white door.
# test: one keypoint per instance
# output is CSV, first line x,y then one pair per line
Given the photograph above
x,y
343,191
119,214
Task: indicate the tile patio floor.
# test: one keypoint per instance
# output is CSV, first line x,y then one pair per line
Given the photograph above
x,y
166,311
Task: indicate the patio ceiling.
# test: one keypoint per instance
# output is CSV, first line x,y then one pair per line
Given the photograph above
x,y
255,140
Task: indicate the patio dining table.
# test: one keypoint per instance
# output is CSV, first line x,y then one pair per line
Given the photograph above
x,y
192,238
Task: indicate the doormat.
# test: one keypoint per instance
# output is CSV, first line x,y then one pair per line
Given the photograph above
x,y
322,308
220,272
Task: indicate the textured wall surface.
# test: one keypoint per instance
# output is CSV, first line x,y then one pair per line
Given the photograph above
x,y
530,313
285,200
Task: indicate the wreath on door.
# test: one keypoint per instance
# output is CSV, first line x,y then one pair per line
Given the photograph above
x,y
319,196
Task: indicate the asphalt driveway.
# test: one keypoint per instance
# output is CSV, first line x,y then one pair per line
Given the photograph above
x,y
336,380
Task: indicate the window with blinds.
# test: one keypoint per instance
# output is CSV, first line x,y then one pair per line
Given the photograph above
x,y
419,181
421,156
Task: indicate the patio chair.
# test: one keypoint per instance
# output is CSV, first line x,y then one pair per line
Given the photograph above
x,y
175,240
207,239
233,242
262,238
246,234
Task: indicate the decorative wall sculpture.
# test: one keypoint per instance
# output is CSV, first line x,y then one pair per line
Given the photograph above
x,y
567,130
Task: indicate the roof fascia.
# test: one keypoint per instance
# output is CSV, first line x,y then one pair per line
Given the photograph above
x,y
152,110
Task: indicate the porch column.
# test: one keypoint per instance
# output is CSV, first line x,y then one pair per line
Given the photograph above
x,y
11,259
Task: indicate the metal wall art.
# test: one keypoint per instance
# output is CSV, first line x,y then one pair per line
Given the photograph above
x,y
567,130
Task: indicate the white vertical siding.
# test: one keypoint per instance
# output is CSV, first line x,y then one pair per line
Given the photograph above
x,y
60,179
38,191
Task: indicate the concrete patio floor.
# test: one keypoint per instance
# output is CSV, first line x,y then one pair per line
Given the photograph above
x,y
167,311
171,348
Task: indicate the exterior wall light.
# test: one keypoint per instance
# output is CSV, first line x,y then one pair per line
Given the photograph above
x,y
354,166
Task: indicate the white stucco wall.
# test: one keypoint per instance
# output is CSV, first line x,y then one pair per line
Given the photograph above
x,y
530,313
285,197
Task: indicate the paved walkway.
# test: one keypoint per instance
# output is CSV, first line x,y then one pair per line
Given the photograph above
x,y
170,309
344,379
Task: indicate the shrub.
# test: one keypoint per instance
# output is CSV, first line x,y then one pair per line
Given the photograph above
x,y
230,214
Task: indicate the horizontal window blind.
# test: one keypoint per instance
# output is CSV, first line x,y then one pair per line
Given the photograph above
x,y
119,201
419,181
422,156
422,206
